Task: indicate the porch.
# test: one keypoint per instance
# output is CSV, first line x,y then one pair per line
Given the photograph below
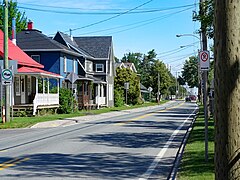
x,y
34,92
89,92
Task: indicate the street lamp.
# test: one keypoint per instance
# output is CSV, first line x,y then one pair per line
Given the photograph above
x,y
180,35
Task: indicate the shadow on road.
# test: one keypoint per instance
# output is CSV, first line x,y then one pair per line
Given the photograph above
x,y
90,165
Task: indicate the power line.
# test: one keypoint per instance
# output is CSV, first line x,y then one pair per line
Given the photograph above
x,y
104,20
101,13
142,23
170,51
148,22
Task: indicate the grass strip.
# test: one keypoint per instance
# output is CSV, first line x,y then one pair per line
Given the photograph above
x,y
23,122
193,165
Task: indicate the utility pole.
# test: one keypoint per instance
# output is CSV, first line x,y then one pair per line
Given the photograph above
x,y
7,88
176,85
204,77
158,97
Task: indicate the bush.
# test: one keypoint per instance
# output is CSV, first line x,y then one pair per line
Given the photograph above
x,y
118,98
65,101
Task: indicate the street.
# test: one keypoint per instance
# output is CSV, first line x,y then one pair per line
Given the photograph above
x,y
139,145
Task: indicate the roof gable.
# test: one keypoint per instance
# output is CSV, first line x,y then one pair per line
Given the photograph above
x,y
70,43
96,46
30,40
15,53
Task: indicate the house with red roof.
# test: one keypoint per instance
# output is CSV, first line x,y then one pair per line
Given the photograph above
x,y
31,84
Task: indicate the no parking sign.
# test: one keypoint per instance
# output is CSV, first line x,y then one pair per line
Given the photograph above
x,y
204,60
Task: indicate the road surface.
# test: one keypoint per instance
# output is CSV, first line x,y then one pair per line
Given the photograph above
x,y
137,146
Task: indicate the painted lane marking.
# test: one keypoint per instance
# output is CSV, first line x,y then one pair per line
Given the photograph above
x,y
12,162
146,115
159,156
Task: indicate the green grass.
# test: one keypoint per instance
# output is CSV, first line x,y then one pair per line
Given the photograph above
x,y
23,122
193,165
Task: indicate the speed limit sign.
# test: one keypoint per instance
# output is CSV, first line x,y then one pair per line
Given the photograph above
x,y
204,60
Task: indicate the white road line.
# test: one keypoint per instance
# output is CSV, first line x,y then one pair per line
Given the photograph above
x,y
159,156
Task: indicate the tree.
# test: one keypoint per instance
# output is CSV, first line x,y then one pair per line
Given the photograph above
x,y
206,18
134,58
126,75
21,19
227,89
165,80
145,68
190,71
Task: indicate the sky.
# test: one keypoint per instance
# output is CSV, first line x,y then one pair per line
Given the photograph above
x,y
135,25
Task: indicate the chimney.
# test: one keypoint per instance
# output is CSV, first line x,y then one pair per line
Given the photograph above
x,y
71,36
30,25
14,31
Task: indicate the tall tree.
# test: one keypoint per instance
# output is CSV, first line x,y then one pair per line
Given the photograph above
x,y
21,19
190,71
145,68
206,19
134,58
227,89
127,75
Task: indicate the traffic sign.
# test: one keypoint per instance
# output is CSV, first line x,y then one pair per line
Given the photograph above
x,y
6,76
204,60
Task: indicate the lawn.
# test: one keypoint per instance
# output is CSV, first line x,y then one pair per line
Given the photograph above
x,y
23,122
193,165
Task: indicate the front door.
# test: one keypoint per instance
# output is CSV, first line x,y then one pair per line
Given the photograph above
x,y
23,90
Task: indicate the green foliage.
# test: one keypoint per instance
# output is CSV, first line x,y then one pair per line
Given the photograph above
x,y
181,81
190,71
118,97
21,114
126,75
148,66
134,58
65,101
21,19
207,19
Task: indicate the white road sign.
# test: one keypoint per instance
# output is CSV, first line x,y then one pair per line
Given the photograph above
x,y
6,76
204,60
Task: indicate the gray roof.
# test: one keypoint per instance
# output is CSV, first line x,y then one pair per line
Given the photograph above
x,y
30,40
96,46
66,40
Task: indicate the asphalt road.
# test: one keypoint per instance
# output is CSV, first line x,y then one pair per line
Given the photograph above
x,y
139,146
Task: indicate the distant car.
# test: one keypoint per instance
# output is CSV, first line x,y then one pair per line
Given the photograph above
x,y
193,97
188,99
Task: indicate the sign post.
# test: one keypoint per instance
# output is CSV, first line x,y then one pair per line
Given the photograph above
x,y
6,77
204,58
126,86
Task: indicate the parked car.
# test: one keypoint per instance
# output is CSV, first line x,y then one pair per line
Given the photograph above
x,y
188,99
193,97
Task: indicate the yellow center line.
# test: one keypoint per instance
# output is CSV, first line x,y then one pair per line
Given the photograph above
x,y
12,162
146,115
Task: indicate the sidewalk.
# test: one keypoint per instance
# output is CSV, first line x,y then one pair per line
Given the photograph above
x,y
75,120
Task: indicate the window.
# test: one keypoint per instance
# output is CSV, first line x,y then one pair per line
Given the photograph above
x,y
65,64
74,66
17,85
99,67
89,66
36,58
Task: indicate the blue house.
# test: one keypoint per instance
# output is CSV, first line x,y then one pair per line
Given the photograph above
x,y
92,76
